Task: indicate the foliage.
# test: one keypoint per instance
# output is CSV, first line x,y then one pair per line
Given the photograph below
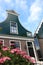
x,y
14,56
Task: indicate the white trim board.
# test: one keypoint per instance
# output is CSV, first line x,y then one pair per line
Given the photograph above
x,y
39,26
18,38
2,40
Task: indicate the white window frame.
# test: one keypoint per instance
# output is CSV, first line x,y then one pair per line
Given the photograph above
x,y
15,41
2,40
33,50
16,28
29,46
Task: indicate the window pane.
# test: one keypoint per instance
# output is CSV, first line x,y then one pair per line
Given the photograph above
x,y
13,24
13,28
31,52
30,49
15,44
29,43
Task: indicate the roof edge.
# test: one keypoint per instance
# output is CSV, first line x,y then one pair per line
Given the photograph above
x,y
16,37
39,26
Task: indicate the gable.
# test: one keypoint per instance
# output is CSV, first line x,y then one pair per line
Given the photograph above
x,y
39,31
5,26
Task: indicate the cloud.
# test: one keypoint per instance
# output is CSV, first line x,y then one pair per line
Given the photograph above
x,y
0,0
7,1
35,11
3,14
16,4
22,4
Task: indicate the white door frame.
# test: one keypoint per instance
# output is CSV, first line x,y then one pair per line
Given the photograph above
x,y
33,50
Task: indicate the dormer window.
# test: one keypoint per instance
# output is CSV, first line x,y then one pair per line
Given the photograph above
x,y
29,34
13,27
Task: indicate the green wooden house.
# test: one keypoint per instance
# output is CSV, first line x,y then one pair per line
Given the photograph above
x,y
12,32
39,36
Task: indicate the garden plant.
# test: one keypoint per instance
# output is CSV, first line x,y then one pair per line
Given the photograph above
x,y
14,56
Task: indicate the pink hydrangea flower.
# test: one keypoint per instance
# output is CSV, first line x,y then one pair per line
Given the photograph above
x,y
3,59
22,53
26,57
6,58
5,48
14,50
32,60
1,43
18,52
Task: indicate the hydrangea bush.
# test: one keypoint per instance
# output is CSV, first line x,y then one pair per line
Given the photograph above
x,y
14,56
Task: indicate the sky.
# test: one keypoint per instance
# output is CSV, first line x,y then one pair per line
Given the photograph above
x,y
31,12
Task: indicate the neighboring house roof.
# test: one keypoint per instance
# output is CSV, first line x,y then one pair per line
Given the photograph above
x,y
5,25
39,30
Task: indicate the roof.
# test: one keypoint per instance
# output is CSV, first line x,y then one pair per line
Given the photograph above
x,y
39,30
39,26
5,25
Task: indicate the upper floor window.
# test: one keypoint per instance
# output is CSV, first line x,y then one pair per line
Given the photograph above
x,y
13,27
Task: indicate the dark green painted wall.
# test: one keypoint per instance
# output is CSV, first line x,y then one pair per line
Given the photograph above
x,y
5,26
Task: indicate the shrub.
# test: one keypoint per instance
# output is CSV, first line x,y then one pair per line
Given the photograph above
x,y
14,57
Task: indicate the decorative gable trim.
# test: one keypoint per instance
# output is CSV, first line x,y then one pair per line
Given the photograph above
x,y
39,26
12,12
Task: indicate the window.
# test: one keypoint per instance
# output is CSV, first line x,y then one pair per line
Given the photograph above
x,y
30,49
13,27
29,34
15,44
2,41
